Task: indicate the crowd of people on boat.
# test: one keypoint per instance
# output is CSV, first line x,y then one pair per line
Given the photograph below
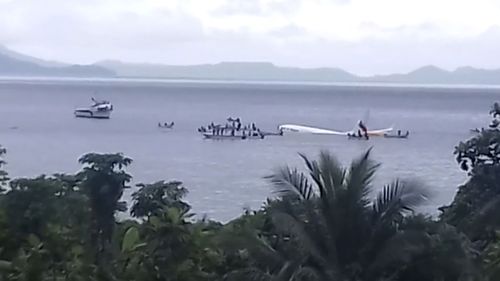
x,y
233,127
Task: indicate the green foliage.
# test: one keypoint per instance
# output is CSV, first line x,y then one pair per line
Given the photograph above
x,y
445,253
151,199
130,240
476,207
3,174
491,258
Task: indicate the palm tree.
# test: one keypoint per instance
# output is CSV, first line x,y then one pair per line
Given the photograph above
x,y
341,234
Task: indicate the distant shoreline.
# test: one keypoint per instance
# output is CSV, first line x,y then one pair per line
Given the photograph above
x,y
41,79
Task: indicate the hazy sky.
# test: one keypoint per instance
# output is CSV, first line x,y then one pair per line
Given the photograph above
x,y
361,36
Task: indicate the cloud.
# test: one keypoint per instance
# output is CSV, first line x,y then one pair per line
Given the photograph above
x,y
288,31
257,7
363,36
239,7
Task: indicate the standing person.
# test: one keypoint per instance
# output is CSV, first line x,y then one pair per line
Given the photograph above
x,y
362,127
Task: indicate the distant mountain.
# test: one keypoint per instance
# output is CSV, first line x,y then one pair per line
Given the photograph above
x,y
268,72
263,71
15,64
15,55
435,75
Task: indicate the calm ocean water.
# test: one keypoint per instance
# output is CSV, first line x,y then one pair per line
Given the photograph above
x,y
42,136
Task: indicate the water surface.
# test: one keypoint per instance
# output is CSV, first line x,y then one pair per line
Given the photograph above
x,y
42,136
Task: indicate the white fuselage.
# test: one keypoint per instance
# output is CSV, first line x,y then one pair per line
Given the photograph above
x,y
102,111
319,131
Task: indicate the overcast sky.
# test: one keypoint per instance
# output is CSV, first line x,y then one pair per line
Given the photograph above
x,y
361,36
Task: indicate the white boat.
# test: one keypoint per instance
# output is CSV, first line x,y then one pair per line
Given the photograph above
x,y
399,135
100,109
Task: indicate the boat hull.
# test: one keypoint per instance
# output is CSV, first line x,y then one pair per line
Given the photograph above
x,y
219,137
396,136
83,113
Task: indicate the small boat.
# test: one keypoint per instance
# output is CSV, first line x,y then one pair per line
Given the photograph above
x,y
357,137
475,131
398,135
166,125
99,110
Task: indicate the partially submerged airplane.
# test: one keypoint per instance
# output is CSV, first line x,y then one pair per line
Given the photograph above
x,y
358,128
319,131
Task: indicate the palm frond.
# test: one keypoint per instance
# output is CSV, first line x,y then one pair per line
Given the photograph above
x,y
264,253
400,248
295,271
332,173
307,273
291,183
329,176
305,237
248,274
314,172
286,272
258,248
398,198
360,177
